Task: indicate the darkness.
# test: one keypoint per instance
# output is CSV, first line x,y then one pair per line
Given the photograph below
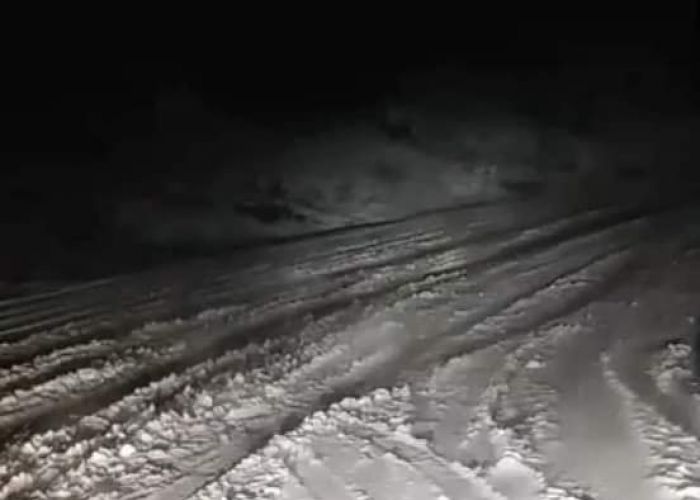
x,y
76,122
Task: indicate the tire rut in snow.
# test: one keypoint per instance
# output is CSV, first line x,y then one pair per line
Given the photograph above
x,y
226,340
434,473
160,302
19,322
232,337
352,390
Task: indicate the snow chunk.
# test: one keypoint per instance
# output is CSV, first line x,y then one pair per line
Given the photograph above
x,y
92,423
17,484
515,480
145,437
246,413
127,451
690,493
381,396
205,400
485,446
158,456
100,459
534,364
28,449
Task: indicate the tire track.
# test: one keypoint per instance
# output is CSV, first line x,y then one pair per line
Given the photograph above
x,y
120,298
360,424
352,367
342,299
672,453
339,393
158,291
217,268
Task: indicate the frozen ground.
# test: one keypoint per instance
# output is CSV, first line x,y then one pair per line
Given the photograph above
x,y
506,351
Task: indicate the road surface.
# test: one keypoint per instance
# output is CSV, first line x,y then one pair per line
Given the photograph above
x,y
508,351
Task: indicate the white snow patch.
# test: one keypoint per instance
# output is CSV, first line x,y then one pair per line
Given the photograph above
x,y
689,493
514,480
127,451
534,364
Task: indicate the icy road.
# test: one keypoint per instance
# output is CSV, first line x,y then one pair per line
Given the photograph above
x,y
494,352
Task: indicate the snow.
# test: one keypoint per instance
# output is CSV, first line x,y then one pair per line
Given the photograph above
x,y
388,395
17,484
689,493
514,480
127,451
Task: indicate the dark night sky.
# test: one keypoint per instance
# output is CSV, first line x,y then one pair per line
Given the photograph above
x,y
66,112
66,106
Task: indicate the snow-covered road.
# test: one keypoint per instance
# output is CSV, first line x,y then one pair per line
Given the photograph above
x,y
503,351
